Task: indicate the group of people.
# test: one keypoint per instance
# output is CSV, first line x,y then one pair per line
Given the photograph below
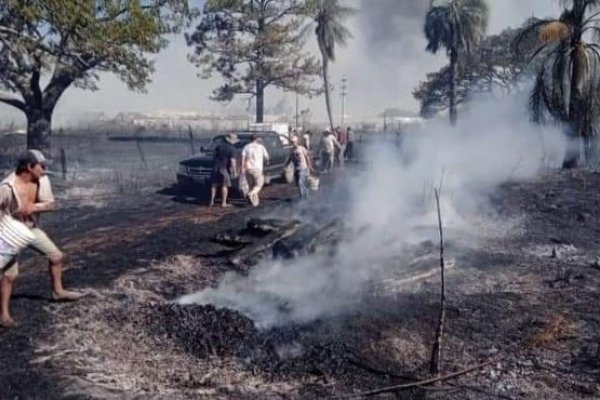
x,y
335,148
24,195
251,168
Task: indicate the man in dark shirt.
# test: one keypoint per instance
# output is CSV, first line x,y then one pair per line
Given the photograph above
x,y
224,167
341,137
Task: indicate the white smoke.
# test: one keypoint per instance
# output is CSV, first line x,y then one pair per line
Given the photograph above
x,y
390,206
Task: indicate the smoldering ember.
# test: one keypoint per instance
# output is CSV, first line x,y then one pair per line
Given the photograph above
x,y
299,199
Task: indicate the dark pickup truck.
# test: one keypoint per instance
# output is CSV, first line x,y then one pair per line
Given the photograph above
x,y
195,172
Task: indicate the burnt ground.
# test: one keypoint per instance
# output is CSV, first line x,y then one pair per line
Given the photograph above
x,y
527,300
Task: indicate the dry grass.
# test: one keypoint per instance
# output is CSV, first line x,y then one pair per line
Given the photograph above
x,y
101,360
558,328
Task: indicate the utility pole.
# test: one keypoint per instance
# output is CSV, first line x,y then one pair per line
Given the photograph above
x,y
296,109
385,120
297,80
344,94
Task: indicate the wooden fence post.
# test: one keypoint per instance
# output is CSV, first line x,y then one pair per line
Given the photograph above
x,y
63,163
191,136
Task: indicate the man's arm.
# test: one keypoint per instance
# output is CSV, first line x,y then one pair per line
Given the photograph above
x,y
5,199
38,208
337,144
45,198
308,160
233,166
266,155
43,207
244,161
289,159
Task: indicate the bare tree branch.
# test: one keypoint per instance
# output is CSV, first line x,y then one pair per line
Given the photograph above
x,y
13,102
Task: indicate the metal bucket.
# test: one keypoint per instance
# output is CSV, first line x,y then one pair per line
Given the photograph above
x,y
313,183
14,234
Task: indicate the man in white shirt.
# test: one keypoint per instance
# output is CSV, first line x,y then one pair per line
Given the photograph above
x,y
329,145
254,158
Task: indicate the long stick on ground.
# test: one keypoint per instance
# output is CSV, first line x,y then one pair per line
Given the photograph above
x,y
424,382
436,354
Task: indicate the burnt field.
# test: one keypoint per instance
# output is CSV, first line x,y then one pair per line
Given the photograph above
x,y
522,296
99,167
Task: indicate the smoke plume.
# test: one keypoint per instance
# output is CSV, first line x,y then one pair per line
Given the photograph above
x,y
393,27
390,207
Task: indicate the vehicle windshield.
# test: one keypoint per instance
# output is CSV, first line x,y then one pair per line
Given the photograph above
x,y
220,139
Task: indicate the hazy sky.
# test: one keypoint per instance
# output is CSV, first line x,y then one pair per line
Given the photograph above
x,y
383,63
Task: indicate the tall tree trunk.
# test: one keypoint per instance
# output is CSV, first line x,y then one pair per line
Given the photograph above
x,y
260,101
39,129
260,84
327,94
577,128
572,157
40,107
453,77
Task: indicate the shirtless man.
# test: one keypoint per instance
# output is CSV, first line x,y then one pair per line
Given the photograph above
x,y
25,194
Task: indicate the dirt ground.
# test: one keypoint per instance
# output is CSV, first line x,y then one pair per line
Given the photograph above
x,y
527,301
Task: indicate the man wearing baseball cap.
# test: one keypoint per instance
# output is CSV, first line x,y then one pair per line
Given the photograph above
x,y
224,167
25,194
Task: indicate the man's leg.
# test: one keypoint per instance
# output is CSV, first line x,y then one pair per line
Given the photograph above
x,y
213,194
331,161
349,151
55,267
224,194
303,183
251,184
7,279
258,181
225,184
45,246
6,284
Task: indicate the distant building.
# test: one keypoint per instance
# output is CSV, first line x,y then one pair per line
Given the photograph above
x,y
181,120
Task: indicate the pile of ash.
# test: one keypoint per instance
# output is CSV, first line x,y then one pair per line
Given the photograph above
x,y
206,331
203,331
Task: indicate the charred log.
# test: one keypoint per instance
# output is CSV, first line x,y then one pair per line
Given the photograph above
x,y
264,226
309,239
230,239
246,255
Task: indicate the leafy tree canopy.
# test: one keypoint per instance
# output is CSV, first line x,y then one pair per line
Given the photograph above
x,y
493,66
253,44
47,45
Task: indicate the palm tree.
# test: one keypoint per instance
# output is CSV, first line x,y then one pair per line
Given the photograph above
x,y
330,16
456,25
567,86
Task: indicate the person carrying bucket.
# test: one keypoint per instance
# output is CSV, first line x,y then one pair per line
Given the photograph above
x,y
300,158
24,195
